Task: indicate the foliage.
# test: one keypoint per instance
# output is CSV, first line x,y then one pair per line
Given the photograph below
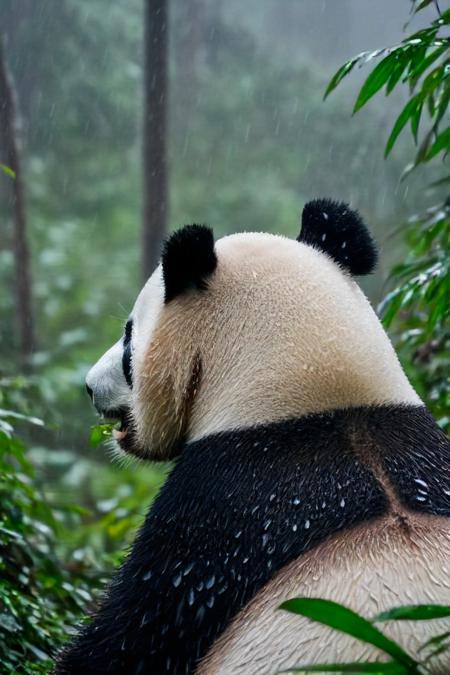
x,y
247,147
247,160
347,621
53,555
418,307
40,598
7,170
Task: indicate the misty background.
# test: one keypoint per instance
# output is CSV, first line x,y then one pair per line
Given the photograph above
x,y
249,140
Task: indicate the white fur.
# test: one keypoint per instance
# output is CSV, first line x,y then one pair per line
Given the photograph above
x,y
370,569
281,331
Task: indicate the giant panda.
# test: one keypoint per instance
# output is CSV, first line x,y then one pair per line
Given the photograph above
x,y
305,464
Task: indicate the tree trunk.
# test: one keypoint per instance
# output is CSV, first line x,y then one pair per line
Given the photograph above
x,y
155,196
9,125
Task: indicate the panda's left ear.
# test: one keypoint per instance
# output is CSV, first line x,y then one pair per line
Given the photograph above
x,y
188,259
337,230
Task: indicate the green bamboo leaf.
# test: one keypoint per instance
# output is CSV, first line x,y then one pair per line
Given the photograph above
x,y
100,433
422,152
347,621
387,668
414,613
433,80
407,112
421,67
415,121
342,72
390,306
422,5
435,640
377,78
6,169
396,75
442,143
442,105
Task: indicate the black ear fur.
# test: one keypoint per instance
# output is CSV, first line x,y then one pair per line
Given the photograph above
x,y
340,232
188,258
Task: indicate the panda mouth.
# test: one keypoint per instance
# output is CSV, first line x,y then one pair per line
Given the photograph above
x,y
122,431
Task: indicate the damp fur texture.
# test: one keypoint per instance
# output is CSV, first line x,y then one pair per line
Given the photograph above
x,y
339,231
303,456
240,506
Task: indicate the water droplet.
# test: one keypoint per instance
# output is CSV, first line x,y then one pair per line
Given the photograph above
x,y
191,597
324,236
267,524
272,497
210,601
296,501
210,582
222,588
325,215
145,619
307,524
265,539
147,575
420,498
295,527
342,503
177,580
188,569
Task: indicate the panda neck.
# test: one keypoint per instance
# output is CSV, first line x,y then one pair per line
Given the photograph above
x,y
231,401
241,505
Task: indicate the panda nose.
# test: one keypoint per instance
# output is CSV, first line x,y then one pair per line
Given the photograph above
x,y
90,392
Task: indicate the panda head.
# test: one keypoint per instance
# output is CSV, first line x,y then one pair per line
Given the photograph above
x,y
253,328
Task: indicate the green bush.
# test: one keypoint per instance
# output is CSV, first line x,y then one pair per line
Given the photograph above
x,y
41,599
418,307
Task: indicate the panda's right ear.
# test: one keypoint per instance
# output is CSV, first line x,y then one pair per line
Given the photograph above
x,y
188,259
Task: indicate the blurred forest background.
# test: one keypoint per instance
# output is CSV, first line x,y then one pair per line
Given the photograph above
x,y
248,140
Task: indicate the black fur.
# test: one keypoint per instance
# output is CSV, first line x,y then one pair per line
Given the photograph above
x,y
236,508
416,456
188,259
339,231
126,356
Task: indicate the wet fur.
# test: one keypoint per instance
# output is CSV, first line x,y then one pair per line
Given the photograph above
x,y
240,506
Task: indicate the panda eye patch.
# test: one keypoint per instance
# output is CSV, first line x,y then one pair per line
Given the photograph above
x,y
126,356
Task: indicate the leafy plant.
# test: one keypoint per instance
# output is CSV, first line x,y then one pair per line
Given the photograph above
x,y
345,620
418,307
7,170
40,598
